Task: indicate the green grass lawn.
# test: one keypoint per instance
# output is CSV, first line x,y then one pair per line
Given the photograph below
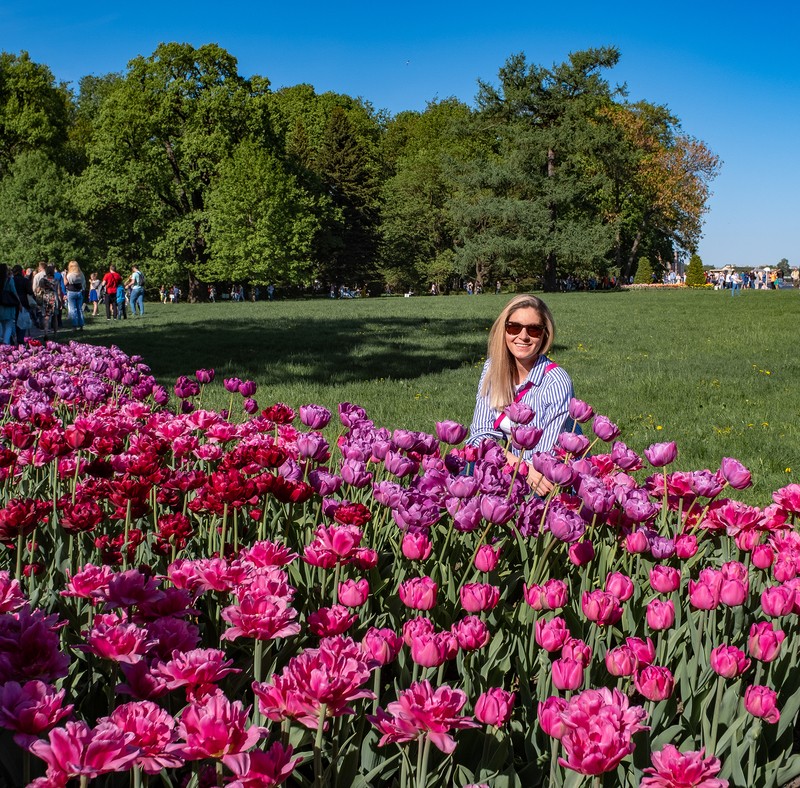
x,y
718,375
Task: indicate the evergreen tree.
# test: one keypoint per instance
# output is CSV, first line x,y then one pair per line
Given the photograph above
x,y
644,272
694,273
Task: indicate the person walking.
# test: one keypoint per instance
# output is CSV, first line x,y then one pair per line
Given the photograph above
x,y
136,282
9,305
112,280
75,284
736,281
24,290
95,286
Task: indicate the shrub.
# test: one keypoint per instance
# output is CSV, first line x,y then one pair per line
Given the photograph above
x,y
644,272
694,273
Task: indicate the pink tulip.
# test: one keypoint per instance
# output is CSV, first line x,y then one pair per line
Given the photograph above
x,y
494,707
637,542
654,683
660,615
764,643
422,711
788,498
216,727
381,645
762,701
579,410
486,558
471,633
353,593
621,586
551,635
450,432
198,670
604,429
621,661
259,768
601,607
76,750
567,674
777,601
430,650
735,474
552,595
581,553
665,579
476,597
31,709
419,593
643,648
660,454
703,596
672,768
416,547
685,546
331,621
728,661
549,716
575,648
155,734
600,725
762,556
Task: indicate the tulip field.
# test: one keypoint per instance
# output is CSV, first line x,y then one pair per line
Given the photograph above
x,y
256,594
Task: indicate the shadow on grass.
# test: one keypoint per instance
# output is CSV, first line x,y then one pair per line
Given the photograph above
x,y
311,350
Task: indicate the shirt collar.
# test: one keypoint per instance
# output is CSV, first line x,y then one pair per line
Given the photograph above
x,y
536,374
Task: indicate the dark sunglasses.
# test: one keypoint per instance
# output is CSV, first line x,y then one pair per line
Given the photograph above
x,y
533,329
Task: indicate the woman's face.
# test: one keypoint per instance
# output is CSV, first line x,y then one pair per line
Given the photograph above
x,y
523,347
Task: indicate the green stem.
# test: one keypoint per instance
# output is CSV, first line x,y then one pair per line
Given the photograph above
x,y
323,709
711,746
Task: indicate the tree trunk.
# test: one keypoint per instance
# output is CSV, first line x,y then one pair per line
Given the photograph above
x,y
551,263
629,268
194,295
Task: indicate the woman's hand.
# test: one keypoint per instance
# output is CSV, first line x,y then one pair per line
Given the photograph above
x,y
540,484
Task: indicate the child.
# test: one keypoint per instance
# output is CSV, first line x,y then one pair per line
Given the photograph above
x,y
122,313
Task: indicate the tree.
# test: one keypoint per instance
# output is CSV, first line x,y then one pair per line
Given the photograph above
x,y
349,174
552,115
695,277
659,184
417,228
39,218
34,111
161,136
261,224
644,272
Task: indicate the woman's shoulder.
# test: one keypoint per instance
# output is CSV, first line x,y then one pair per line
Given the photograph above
x,y
554,374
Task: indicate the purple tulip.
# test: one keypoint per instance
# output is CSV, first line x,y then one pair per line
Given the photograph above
x,y
497,509
596,497
247,388
580,411
405,439
324,483
661,454
525,437
355,473
519,413
468,517
605,429
315,417
250,406
350,415
706,484
573,442
232,384
560,473
450,432
735,474
625,458
462,486
661,547
564,524
204,376
400,465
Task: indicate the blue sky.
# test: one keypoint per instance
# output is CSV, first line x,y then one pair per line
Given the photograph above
x,y
727,71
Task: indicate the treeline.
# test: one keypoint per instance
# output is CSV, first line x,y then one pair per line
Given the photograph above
x,y
201,175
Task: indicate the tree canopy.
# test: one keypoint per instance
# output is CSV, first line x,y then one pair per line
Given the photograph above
x,y
200,174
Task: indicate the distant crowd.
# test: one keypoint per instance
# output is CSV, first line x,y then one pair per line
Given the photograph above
x,y
32,301
757,279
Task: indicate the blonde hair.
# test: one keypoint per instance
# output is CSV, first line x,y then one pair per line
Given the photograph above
x,y
73,267
498,385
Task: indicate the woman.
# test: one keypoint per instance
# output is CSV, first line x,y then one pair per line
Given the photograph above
x,y
76,284
47,296
95,286
517,370
9,304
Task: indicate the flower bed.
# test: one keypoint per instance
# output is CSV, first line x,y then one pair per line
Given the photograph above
x,y
258,596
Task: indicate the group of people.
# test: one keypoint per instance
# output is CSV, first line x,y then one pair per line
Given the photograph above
x,y
35,299
757,279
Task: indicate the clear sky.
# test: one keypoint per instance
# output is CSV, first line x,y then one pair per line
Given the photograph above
x,y
728,70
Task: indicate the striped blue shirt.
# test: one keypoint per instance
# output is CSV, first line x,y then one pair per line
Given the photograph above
x,y
548,397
